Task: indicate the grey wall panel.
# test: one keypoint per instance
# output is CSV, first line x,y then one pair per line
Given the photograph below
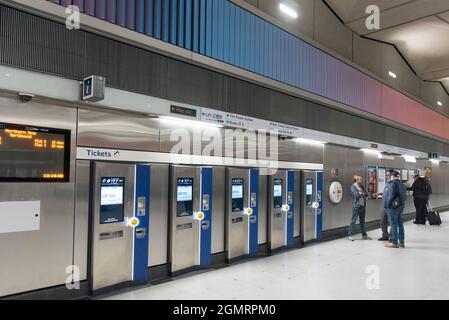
x,y
158,233
117,130
81,228
349,162
126,67
38,259
29,42
195,85
218,210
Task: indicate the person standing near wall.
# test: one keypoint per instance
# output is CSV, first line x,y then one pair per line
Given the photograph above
x,y
395,197
384,215
358,208
421,193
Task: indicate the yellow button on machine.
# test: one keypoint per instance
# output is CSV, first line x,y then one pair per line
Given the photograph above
x,y
249,211
134,222
286,207
200,216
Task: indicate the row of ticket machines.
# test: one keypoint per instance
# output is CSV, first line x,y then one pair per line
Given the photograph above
x,y
121,198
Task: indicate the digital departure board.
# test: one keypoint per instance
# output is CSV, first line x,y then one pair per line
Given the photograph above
x,y
31,154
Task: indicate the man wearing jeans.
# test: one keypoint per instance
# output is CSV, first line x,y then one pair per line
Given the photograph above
x,y
384,215
394,202
358,208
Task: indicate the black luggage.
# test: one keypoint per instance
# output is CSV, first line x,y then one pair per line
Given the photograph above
x,y
433,216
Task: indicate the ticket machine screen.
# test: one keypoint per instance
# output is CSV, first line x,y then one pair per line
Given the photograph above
x,y
184,197
237,195
112,197
277,193
309,192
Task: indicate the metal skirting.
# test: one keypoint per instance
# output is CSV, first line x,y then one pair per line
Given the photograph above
x,y
53,293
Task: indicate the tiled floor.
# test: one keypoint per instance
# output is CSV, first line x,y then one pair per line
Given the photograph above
x,y
331,270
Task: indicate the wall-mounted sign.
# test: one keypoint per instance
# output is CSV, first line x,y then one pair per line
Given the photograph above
x,y
381,179
93,88
335,172
434,155
336,192
372,180
233,120
183,111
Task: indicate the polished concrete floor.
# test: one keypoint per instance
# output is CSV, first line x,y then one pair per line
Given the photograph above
x,y
333,270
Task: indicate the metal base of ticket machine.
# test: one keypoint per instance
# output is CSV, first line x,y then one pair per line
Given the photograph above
x,y
312,205
119,204
281,208
242,189
190,218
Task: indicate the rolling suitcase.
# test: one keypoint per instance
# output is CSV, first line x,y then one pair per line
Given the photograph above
x,y
433,216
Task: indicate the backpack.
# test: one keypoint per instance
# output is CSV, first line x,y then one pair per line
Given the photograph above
x,y
426,188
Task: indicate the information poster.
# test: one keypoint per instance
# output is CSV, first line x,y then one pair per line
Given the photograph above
x,y
372,180
381,179
404,175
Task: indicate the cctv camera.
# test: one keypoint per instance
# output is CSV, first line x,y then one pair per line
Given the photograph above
x,y
26,97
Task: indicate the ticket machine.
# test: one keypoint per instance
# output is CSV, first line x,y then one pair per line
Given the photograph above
x,y
242,188
281,191
119,225
190,218
312,205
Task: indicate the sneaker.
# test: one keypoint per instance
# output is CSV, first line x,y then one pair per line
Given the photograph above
x,y
351,239
366,238
384,239
391,245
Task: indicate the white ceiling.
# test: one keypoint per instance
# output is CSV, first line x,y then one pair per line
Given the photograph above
x,y
418,28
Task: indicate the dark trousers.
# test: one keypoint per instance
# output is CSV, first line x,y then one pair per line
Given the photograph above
x,y
421,210
384,224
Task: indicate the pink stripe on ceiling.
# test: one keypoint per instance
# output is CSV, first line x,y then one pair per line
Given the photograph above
x,y
402,109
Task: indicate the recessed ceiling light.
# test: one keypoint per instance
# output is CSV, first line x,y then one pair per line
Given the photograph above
x,y
310,141
392,74
440,103
288,10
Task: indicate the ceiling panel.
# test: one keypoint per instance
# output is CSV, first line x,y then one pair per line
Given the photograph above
x,y
425,43
350,10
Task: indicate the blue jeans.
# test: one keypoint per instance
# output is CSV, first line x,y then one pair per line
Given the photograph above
x,y
396,217
358,212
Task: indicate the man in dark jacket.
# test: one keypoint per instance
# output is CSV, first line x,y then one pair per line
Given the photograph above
x,y
395,197
421,192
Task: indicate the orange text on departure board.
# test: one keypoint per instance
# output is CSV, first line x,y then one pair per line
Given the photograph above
x,y
54,144
20,134
53,176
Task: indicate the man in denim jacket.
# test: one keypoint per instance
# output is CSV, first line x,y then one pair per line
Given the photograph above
x,y
358,208
395,197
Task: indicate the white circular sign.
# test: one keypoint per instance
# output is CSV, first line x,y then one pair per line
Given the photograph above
x,y
336,192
